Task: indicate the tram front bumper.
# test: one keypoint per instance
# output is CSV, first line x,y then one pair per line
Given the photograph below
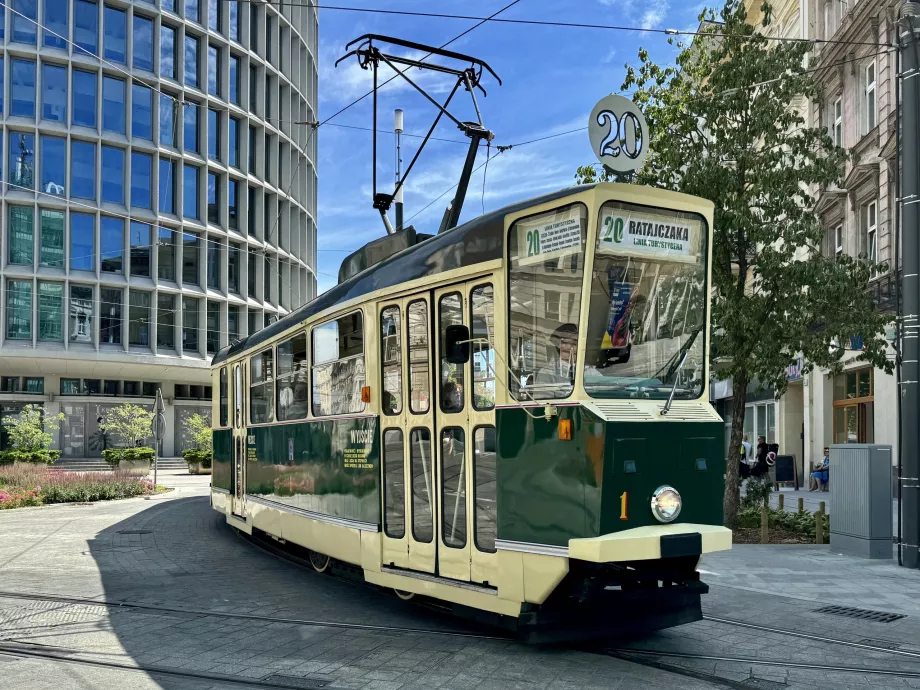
x,y
652,543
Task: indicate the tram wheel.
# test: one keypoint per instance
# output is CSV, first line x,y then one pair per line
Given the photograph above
x,y
405,596
319,562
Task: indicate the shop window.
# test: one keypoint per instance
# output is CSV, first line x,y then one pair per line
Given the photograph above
x,y
854,406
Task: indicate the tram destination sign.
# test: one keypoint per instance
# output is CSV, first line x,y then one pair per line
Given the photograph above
x,y
649,236
549,237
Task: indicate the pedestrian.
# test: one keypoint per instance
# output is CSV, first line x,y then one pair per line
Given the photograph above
x,y
760,468
744,459
820,472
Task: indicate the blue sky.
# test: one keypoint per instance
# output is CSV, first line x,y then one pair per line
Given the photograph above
x,y
552,78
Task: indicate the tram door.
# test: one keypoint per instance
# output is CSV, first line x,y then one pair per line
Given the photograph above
x,y
238,479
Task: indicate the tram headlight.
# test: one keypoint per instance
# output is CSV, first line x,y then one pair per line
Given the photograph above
x,y
666,504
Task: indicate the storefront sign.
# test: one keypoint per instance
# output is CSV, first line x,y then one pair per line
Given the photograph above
x,y
722,389
794,371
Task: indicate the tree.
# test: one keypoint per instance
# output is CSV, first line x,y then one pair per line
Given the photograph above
x,y
129,423
199,428
29,431
724,127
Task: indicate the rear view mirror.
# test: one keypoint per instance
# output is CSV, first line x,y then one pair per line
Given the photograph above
x,y
456,345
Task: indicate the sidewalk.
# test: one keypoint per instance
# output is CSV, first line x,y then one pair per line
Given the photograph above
x,y
812,500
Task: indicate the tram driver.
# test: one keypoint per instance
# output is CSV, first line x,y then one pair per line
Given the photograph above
x,y
561,359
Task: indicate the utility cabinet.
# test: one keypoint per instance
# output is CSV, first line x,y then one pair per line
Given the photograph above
x,y
861,509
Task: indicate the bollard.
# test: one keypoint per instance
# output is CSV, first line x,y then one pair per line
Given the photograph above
x,y
819,525
764,527
801,505
822,507
781,500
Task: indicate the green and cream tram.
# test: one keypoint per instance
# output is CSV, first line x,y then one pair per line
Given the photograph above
x,y
510,417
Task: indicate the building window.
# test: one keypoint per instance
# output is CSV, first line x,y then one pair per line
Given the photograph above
x,y
82,242
190,117
168,117
167,52
838,240
854,406
55,18
113,105
54,92
143,43
833,11
267,279
213,327
86,26
252,150
116,33
50,311
139,319
54,158
166,321
870,104
213,134
141,179
190,191
110,316
338,366
234,80
233,323
24,23
81,314
213,199
233,268
83,107
213,263
235,17
233,140
19,309
192,11
254,28
254,321
22,160
214,15
870,227
252,211
140,249
251,276
253,88
52,239
167,185
112,244
190,324
232,215
23,88
191,61
166,254
168,5
21,235
141,112
190,245
113,181
213,70
82,169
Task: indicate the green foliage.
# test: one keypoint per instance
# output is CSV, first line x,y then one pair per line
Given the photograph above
x,y
757,493
29,431
747,148
8,457
197,455
797,523
199,428
129,423
28,484
115,456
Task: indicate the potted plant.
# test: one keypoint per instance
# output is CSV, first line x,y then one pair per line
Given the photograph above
x,y
198,457
131,425
30,437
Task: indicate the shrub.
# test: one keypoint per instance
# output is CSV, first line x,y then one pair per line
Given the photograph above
x,y
19,498
197,455
129,423
30,484
46,457
798,523
114,456
29,434
757,493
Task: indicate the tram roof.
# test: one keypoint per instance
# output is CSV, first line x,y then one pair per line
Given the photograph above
x,y
476,241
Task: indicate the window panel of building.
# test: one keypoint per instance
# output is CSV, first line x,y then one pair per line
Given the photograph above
x,y
233,322
51,245
141,112
166,254
113,105
233,268
212,326
19,309
143,43
232,214
86,26
213,134
251,276
113,181
168,5
251,228
236,32
81,314
22,87
140,249
213,199
83,106
167,51
234,80
870,106
82,242
168,121
54,92
115,43
252,150
54,16
50,311
22,160
214,15
110,316
233,139
837,122
190,324
192,11
213,263
190,245
213,70
54,165
167,183
338,366
267,279
24,21
261,388
112,244
190,119
141,179
190,191
166,321
293,393
139,318
21,231
191,61
82,169
254,321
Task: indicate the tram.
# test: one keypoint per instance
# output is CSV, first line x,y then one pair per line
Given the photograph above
x,y
510,417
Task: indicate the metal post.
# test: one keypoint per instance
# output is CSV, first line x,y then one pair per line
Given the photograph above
x,y
764,527
781,501
910,286
801,505
159,430
398,128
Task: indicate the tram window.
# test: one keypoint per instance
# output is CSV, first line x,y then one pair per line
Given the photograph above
x,y
292,379
422,510
453,488
261,387
338,366
223,402
394,492
484,488
546,275
419,376
391,360
482,307
451,313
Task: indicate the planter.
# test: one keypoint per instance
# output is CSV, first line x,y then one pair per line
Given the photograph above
x,y
133,465
196,468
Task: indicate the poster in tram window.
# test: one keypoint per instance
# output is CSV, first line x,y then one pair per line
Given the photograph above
x,y
548,236
649,235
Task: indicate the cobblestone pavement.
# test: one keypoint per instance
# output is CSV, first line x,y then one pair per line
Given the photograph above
x,y
173,551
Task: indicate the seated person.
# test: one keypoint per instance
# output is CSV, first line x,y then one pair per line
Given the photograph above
x,y
559,369
820,472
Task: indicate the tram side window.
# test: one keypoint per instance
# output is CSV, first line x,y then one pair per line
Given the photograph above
x,y
223,402
421,466
391,360
484,488
482,308
394,492
546,274
419,376
261,389
338,366
451,313
292,379
453,488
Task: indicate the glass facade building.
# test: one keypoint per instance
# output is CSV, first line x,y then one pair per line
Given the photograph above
x,y
139,199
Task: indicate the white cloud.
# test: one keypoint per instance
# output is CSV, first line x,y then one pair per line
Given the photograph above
x,y
648,14
654,14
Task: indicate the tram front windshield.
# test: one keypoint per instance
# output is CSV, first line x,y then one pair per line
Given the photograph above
x,y
646,324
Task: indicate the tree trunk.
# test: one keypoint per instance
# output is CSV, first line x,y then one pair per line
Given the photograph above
x,y
731,503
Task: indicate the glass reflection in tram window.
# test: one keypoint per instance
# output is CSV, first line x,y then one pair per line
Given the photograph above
x,y
292,379
338,366
422,510
546,282
419,376
391,360
261,382
484,488
482,328
453,488
451,313
394,494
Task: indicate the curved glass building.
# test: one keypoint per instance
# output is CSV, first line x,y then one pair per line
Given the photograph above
x,y
158,200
